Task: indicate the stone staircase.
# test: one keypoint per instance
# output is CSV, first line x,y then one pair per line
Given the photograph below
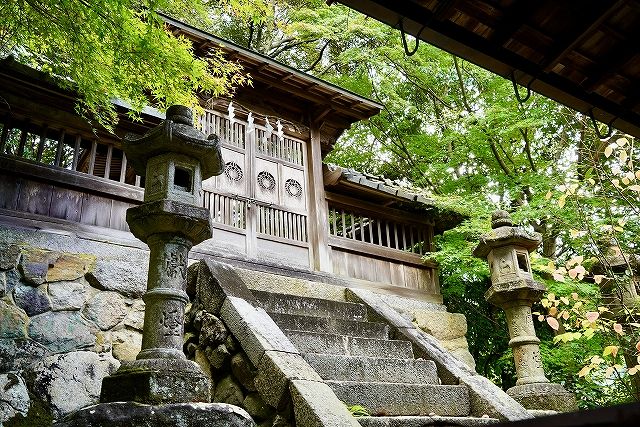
x,y
363,366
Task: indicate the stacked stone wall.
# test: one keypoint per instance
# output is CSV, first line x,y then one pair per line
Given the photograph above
x,y
209,343
70,312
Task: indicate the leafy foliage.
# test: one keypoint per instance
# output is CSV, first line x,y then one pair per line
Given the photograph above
x,y
109,49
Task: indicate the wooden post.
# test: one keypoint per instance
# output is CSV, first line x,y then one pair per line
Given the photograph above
x,y
318,218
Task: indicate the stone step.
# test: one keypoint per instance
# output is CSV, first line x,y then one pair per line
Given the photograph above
x,y
380,398
310,342
329,325
420,421
359,368
292,304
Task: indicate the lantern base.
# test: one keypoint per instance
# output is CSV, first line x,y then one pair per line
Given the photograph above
x,y
545,396
157,381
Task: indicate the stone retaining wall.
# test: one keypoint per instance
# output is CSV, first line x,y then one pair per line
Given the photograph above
x,y
70,311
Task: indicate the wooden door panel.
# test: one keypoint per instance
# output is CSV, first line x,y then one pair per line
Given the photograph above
x,y
293,188
267,180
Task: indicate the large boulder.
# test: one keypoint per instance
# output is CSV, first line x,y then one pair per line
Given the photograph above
x,y
106,309
14,397
13,321
32,300
67,295
70,381
62,331
126,276
39,265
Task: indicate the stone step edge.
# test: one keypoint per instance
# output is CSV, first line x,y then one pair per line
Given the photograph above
x,y
261,294
337,319
298,331
423,420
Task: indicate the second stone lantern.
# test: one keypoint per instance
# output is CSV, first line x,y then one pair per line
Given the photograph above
x,y
174,158
514,290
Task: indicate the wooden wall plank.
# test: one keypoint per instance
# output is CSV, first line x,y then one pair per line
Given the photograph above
x,y
96,210
118,218
66,204
35,197
9,191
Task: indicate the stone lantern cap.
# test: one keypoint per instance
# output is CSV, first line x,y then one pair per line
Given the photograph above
x,y
504,233
176,135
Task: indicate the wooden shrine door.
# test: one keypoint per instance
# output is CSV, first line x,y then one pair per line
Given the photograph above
x,y
259,204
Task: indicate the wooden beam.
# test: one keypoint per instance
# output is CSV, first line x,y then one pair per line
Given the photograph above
x,y
318,217
572,40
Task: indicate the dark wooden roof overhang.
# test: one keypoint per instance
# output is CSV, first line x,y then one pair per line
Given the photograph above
x,y
35,99
277,89
582,53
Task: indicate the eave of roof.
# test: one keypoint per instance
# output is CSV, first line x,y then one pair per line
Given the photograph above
x,y
351,106
608,94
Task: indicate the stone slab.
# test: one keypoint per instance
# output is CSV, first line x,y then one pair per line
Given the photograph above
x,y
217,281
14,397
309,342
67,295
13,321
441,324
357,368
380,310
131,414
331,325
268,282
315,405
276,370
544,396
254,329
404,399
292,304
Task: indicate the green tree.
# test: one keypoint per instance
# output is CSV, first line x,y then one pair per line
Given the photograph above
x,y
107,49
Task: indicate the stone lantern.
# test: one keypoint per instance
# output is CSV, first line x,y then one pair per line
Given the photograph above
x,y
174,157
514,290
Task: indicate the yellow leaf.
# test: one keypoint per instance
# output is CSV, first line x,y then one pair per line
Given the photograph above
x,y
635,187
574,295
584,371
618,328
591,181
638,174
626,181
548,195
609,150
553,323
553,311
573,273
622,141
551,265
633,371
564,300
592,316
611,350
558,277
541,318
551,296
565,314
598,278
562,200
638,346
623,156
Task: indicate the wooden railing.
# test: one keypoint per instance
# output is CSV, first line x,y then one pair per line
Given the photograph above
x,y
282,224
226,210
55,147
360,222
